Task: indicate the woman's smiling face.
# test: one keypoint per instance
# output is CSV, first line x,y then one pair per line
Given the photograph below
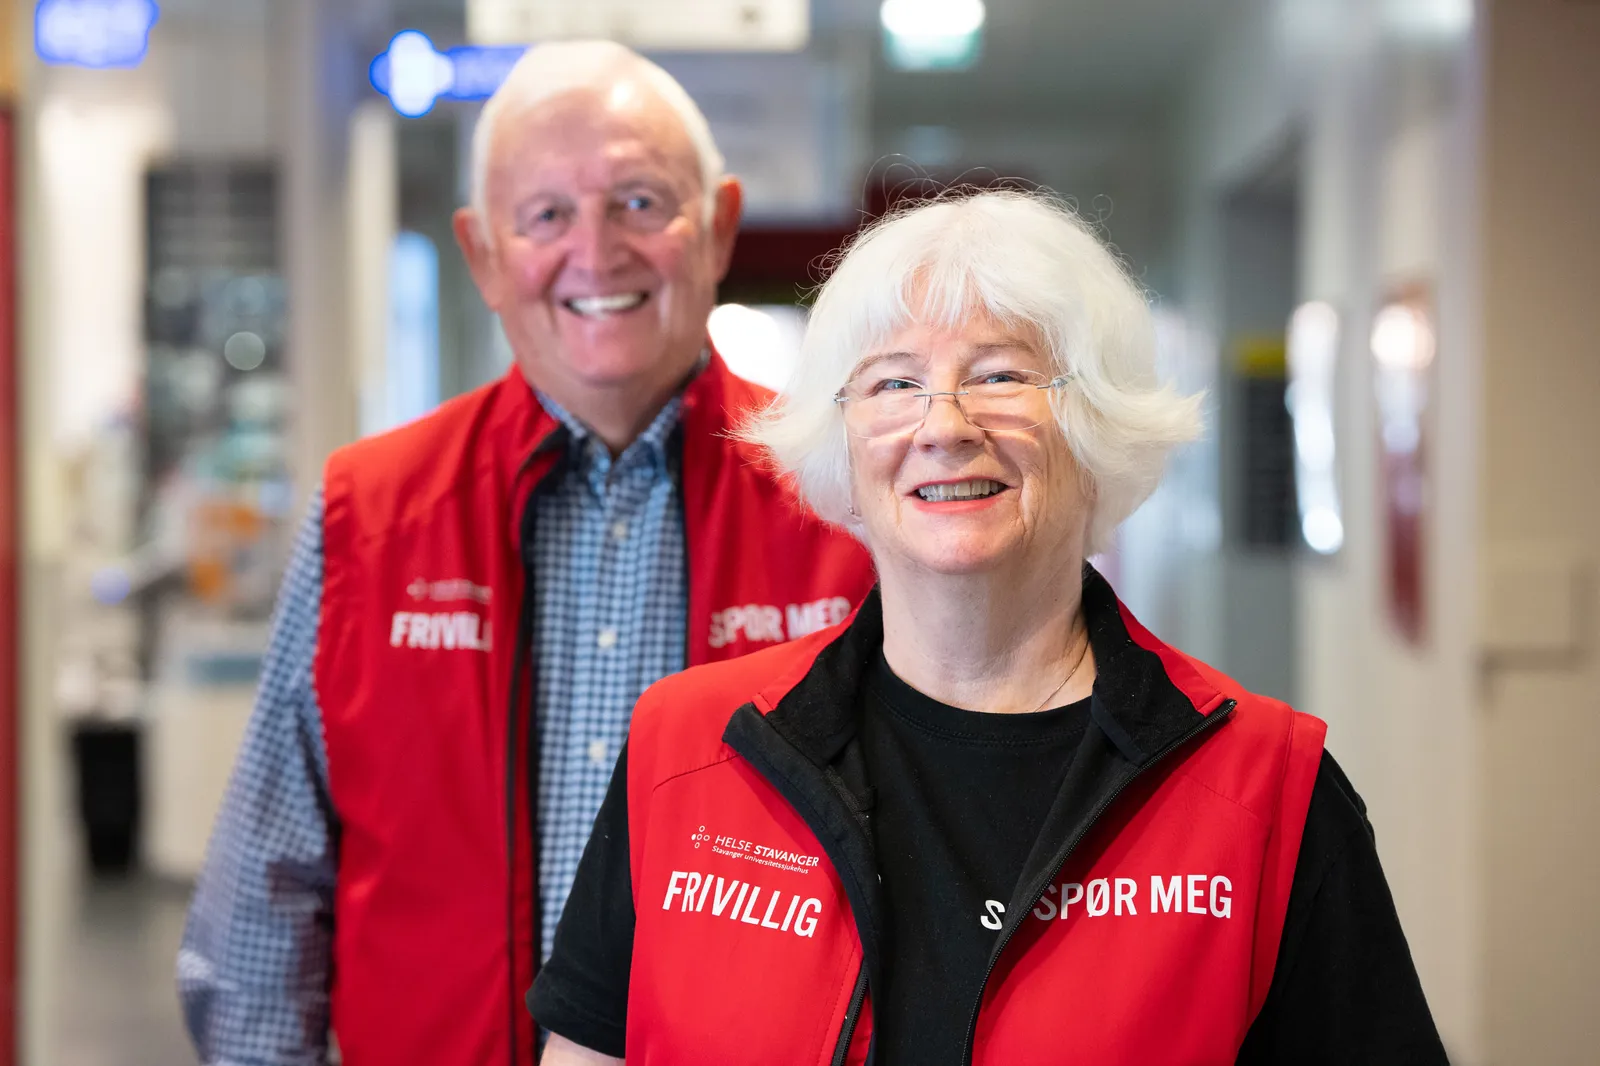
x,y
946,496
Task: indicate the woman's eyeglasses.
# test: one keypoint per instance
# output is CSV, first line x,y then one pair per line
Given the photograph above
x,y
994,400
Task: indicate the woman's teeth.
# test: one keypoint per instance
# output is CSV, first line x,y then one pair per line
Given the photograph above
x,y
961,490
596,306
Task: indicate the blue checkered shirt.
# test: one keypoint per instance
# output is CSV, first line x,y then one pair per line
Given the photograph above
x,y
610,599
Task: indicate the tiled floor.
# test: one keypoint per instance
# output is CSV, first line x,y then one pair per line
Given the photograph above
x,y
117,1004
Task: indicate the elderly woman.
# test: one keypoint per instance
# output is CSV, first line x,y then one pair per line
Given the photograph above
x,y
989,818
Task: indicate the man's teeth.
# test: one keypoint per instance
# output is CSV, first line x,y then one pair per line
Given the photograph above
x,y
961,490
606,305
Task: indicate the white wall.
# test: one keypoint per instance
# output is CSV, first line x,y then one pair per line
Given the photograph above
x,y
1540,524
1382,101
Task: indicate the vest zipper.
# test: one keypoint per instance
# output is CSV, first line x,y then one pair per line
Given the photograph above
x,y
1014,923
522,662
851,1016
790,773
859,996
675,474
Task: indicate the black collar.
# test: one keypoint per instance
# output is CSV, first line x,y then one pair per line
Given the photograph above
x,y
1136,703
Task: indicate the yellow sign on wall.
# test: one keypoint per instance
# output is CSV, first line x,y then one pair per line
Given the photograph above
x,y
1263,356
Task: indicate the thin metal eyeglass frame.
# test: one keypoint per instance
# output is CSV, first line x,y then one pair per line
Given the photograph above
x,y
841,399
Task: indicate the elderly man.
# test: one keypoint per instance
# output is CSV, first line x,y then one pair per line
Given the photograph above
x,y
477,600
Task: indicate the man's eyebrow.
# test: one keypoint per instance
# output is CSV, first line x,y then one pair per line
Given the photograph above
x,y
537,195
623,181
659,184
640,177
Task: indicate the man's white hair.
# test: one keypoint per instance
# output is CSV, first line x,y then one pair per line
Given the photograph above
x,y
551,69
1025,258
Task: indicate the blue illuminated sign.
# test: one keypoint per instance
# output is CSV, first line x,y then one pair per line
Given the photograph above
x,y
93,33
413,75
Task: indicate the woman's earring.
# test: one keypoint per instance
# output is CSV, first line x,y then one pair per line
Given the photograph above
x,y
853,512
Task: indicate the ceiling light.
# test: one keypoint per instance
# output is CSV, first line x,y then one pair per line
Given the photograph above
x,y
932,18
932,34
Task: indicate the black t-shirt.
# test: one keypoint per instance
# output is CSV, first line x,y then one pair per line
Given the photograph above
x,y
960,798
1344,989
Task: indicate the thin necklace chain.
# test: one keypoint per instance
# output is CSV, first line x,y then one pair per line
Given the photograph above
x,y
1082,655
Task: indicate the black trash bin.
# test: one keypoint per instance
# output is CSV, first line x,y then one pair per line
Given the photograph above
x,y
106,756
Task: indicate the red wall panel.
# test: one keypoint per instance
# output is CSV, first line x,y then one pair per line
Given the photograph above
x,y
10,634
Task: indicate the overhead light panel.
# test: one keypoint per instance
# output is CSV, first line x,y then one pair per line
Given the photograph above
x,y
648,25
932,34
93,33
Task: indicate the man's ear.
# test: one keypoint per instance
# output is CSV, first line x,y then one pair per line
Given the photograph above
x,y
726,211
473,238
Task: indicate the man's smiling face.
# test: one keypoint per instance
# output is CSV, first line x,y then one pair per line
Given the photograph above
x,y
595,247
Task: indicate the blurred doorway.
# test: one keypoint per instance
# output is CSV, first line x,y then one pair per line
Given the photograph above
x,y
1261,537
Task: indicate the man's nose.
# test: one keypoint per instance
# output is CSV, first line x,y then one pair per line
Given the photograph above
x,y
595,242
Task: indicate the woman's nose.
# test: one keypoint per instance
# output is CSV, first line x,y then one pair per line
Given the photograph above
x,y
946,425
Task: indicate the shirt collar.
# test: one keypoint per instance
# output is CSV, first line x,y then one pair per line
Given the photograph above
x,y
589,454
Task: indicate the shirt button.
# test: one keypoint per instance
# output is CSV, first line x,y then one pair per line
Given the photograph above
x,y
607,638
619,531
597,752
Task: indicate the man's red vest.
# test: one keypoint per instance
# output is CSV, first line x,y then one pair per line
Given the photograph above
x,y
425,692
1148,933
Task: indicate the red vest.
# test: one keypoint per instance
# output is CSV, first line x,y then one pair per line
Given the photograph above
x,y
424,688
1146,934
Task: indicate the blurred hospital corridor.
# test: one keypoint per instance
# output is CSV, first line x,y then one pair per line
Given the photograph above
x,y
1367,233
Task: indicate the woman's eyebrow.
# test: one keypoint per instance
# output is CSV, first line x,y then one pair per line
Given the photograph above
x,y
977,352
991,347
879,357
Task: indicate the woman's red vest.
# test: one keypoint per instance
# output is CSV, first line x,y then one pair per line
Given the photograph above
x,y
1145,929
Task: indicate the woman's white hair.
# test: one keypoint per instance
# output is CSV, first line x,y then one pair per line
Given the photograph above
x,y
557,67
1026,259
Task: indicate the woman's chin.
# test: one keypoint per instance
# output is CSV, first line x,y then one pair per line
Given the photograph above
x,y
962,558
954,544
